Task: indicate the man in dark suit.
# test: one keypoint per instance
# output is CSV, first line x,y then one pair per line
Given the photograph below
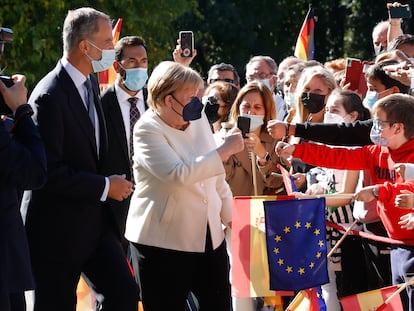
x,y
123,103
67,223
22,166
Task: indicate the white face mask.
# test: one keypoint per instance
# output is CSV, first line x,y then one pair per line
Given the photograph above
x,y
289,99
106,61
265,82
256,121
330,117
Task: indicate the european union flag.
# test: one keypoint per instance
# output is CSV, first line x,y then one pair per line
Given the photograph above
x,y
296,243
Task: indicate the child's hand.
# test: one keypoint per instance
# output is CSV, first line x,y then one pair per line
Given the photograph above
x,y
366,194
405,199
284,150
400,169
407,221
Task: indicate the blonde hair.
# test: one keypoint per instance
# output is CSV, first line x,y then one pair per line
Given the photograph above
x,y
307,75
167,78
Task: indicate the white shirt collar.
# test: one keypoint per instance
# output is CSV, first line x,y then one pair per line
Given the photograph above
x,y
77,76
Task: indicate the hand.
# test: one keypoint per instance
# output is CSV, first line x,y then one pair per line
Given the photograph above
x,y
186,61
299,180
253,143
365,194
233,143
395,5
315,188
119,187
402,71
284,150
276,129
400,169
405,199
16,95
407,221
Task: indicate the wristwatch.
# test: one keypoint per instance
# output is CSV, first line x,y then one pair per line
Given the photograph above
x,y
375,192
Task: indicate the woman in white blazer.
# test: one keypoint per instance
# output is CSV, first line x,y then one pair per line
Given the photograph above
x,y
181,198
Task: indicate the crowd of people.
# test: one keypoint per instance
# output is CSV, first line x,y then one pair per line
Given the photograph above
x,y
144,173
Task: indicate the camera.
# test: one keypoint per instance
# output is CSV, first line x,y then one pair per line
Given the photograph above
x,y
6,36
402,11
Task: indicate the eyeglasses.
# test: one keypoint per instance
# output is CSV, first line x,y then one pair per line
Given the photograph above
x,y
260,76
224,80
379,124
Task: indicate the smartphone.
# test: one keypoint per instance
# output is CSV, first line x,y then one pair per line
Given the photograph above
x,y
243,123
187,43
402,11
353,72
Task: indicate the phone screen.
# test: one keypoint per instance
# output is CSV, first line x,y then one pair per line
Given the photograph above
x,y
243,123
187,43
400,11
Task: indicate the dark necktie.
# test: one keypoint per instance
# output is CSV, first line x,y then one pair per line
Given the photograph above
x,y
90,104
133,118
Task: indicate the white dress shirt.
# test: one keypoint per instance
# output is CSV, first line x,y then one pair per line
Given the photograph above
x,y
124,105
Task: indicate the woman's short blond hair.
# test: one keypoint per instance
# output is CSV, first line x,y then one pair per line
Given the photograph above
x,y
167,78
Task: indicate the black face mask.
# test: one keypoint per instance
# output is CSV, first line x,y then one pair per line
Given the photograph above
x,y
212,113
211,108
313,102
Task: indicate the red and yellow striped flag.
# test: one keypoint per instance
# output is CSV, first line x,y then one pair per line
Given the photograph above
x,y
107,77
249,263
305,46
373,300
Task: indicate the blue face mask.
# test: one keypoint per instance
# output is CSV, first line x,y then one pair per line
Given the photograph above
x,y
370,99
106,61
135,78
375,134
191,111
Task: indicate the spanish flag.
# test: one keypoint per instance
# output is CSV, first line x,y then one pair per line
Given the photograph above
x,y
249,263
305,47
373,300
107,77
308,300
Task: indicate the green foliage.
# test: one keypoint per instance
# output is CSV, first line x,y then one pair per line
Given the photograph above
x,y
225,31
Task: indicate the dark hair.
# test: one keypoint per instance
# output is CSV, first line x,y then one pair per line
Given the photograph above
x,y
126,42
224,67
352,102
399,108
400,40
377,72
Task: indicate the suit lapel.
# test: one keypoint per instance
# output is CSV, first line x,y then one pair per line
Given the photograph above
x,y
115,117
76,105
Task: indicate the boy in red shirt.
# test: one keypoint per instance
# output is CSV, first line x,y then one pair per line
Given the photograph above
x,y
392,133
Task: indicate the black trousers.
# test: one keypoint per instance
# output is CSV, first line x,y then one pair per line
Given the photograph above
x,y
167,277
105,269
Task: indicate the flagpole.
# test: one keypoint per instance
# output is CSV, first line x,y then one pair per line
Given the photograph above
x,y
342,239
253,160
397,292
326,195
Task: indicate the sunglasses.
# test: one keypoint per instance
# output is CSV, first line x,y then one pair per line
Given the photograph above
x,y
225,80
